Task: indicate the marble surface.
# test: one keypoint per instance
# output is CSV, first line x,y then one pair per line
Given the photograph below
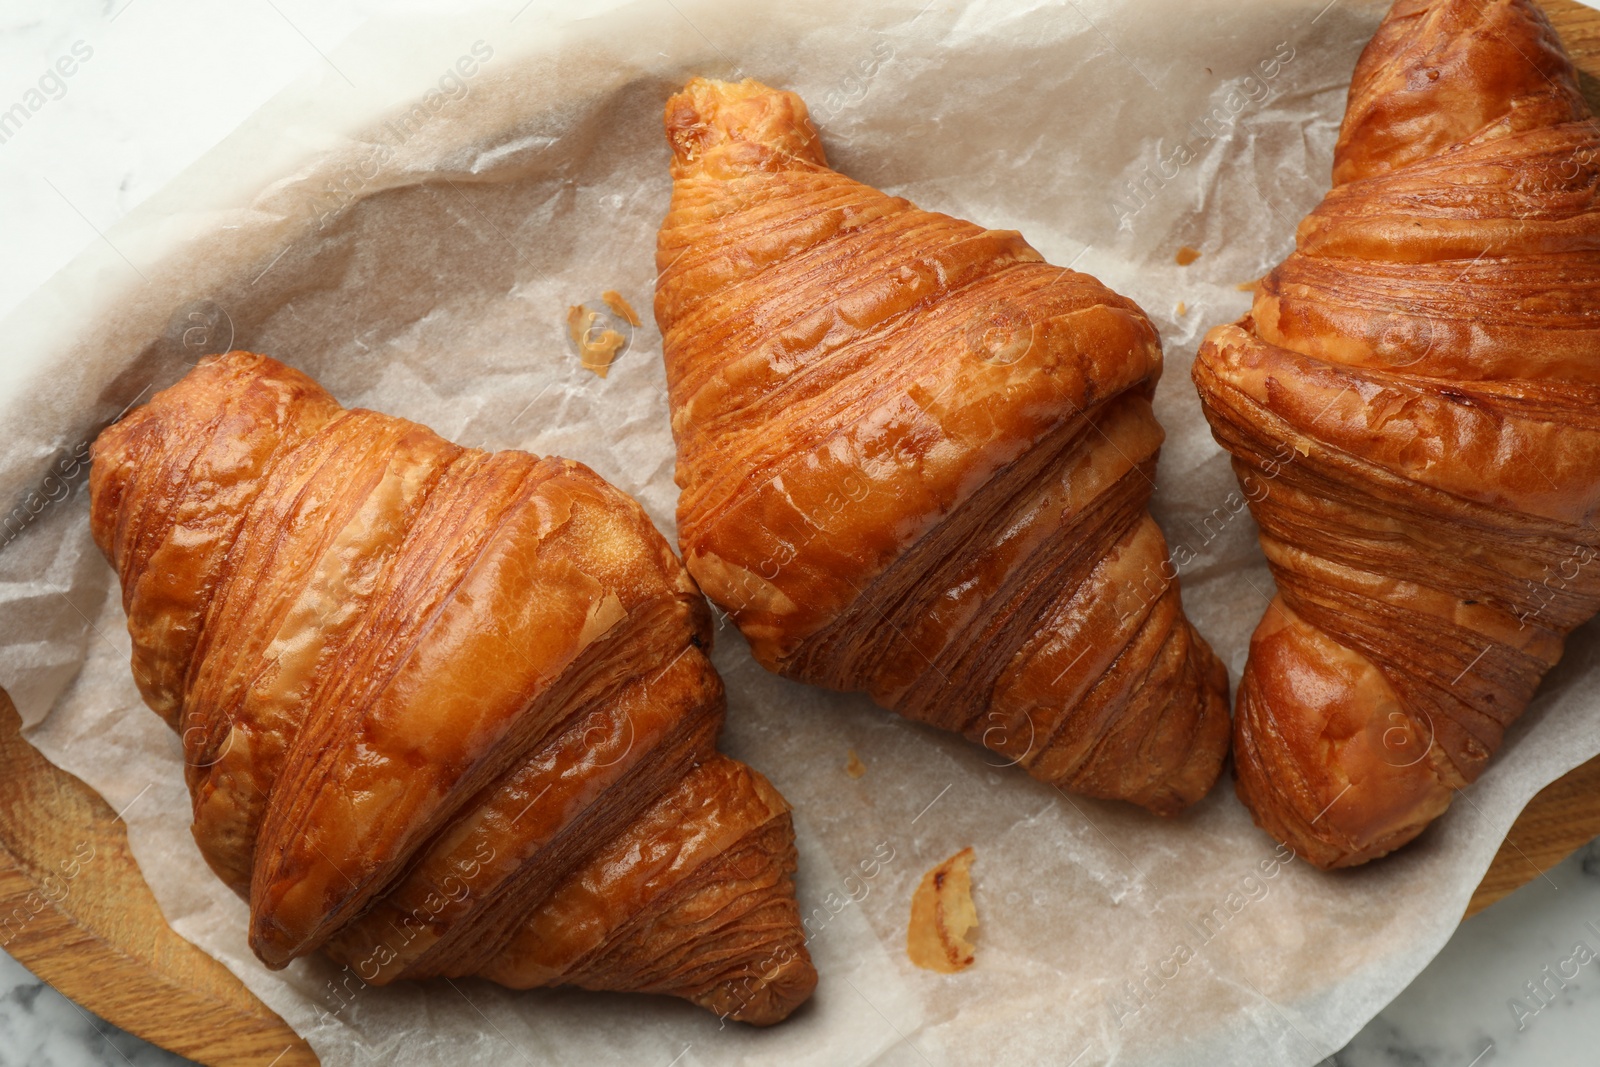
x,y
1474,1007
165,79
41,1028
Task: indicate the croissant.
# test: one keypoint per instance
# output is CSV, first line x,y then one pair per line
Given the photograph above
x,y
916,458
443,711
1411,406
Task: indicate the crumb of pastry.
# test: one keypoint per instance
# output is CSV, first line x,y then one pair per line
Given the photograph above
x,y
1183,309
1187,255
595,348
853,765
624,310
1248,287
942,913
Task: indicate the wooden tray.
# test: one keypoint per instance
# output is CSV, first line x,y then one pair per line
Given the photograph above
x,y
91,927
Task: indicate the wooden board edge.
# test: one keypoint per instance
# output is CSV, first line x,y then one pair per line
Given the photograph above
x,y
1561,818
75,910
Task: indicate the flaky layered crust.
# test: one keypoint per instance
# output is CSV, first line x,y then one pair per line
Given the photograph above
x,y
1414,405
444,711
916,458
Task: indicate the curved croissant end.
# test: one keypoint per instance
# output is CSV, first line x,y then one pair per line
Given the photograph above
x,y
915,461
1413,403
444,712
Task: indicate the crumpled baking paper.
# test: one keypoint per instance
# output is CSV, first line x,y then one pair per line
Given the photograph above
x,y
410,227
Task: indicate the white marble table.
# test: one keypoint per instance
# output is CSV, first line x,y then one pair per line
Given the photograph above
x,y
155,83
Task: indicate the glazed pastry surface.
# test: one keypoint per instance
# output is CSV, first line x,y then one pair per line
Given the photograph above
x,y
916,459
1413,405
443,711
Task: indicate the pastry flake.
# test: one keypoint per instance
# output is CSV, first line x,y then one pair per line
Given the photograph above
x,y
942,914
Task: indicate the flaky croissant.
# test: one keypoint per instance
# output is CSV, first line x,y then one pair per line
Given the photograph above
x,y
1413,405
444,711
915,461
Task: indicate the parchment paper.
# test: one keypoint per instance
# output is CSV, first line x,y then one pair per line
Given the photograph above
x,y
411,235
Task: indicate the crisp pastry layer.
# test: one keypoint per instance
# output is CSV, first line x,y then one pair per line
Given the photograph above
x,y
1414,403
443,711
916,460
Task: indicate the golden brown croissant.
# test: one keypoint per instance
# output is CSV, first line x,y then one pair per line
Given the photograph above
x,y
1413,405
444,711
915,461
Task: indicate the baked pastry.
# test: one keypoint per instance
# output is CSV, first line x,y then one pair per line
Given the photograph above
x,y
1411,404
916,458
444,711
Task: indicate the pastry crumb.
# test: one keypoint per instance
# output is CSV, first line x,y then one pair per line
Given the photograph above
x,y
595,348
942,913
853,765
1183,309
1248,287
1187,255
624,310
